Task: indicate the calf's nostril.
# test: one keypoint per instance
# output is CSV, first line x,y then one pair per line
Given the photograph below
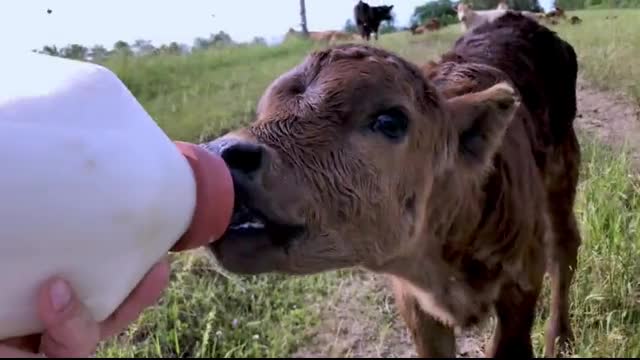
x,y
242,156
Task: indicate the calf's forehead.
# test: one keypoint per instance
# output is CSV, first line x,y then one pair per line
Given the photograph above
x,y
353,84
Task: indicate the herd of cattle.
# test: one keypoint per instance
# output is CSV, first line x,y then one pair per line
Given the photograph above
x,y
470,18
369,18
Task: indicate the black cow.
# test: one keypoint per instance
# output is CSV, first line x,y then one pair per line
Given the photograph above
x,y
368,18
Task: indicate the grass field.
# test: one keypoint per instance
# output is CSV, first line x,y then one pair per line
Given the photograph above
x,y
205,314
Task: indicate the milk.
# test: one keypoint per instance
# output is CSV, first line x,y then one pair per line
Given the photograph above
x,y
90,187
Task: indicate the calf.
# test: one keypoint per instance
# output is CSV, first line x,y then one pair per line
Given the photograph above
x,y
470,18
322,181
575,20
431,25
368,18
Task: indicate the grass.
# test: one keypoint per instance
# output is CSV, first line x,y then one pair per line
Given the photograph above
x,y
205,314
608,50
606,291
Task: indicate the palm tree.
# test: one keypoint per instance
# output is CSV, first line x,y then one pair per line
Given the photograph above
x,y
303,17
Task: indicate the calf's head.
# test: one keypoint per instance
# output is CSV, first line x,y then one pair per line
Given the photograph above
x,y
338,168
464,12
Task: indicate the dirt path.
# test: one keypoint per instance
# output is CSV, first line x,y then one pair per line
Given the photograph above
x,y
360,320
610,117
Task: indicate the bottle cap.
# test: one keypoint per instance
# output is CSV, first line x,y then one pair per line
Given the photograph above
x,y
214,197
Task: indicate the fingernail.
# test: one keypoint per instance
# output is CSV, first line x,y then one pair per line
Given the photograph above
x,y
60,295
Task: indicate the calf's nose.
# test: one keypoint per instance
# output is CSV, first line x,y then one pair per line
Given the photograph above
x,y
240,155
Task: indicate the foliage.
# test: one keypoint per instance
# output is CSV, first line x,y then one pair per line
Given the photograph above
x,y
598,4
350,27
443,10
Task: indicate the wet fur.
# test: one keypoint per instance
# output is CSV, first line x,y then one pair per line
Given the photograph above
x,y
544,70
465,215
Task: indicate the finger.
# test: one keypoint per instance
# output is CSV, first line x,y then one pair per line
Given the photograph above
x,y
70,331
144,295
10,352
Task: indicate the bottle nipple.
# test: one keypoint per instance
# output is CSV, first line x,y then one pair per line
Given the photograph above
x,y
214,197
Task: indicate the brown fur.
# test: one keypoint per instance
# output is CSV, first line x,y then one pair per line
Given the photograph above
x,y
462,211
431,25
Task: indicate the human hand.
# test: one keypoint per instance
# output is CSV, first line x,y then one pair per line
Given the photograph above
x,y
70,330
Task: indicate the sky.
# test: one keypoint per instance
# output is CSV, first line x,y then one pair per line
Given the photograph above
x,y
26,25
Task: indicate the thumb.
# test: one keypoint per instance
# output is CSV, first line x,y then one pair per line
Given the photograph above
x,y
70,330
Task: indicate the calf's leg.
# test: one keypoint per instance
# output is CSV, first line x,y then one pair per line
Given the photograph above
x,y
431,338
515,311
565,243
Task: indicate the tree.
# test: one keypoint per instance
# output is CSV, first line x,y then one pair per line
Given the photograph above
x,y
350,27
221,39
99,53
175,48
258,40
50,50
303,18
443,10
201,43
144,47
122,47
74,51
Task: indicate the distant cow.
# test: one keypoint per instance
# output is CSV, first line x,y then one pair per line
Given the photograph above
x,y
575,20
431,25
470,18
328,36
368,18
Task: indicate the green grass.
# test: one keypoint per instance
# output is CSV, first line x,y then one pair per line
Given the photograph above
x,y
606,292
608,50
207,315
204,314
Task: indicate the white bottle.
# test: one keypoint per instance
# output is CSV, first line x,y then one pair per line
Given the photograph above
x,y
90,187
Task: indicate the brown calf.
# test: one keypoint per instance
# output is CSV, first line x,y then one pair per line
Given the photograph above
x,y
456,180
431,25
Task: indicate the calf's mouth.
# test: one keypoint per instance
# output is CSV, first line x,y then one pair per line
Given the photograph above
x,y
257,240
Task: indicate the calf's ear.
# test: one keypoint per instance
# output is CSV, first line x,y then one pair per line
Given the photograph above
x,y
481,120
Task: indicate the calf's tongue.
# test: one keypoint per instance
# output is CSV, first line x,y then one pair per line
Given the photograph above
x,y
214,197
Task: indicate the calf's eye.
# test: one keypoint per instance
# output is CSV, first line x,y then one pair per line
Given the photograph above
x,y
392,125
